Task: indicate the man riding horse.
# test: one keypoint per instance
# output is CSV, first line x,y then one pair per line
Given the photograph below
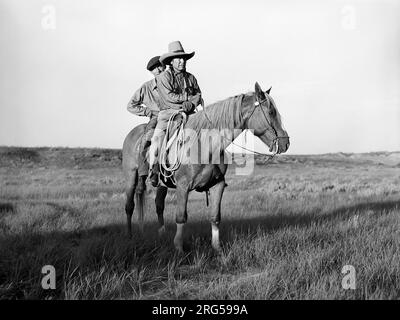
x,y
145,102
178,91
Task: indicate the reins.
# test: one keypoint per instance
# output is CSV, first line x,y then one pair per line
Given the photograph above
x,y
274,142
168,170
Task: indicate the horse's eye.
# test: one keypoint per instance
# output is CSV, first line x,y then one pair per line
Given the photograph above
x,y
271,112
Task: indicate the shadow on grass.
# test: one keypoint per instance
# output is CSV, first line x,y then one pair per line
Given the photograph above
x,y
295,219
6,207
265,223
23,255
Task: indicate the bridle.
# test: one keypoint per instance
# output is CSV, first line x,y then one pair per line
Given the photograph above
x,y
275,141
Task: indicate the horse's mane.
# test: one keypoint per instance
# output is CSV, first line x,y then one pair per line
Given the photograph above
x,y
224,114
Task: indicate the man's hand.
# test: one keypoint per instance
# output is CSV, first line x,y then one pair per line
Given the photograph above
x,y
189,91
187,106
196,99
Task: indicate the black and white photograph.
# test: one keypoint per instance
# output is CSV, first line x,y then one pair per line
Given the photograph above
x,y
199,155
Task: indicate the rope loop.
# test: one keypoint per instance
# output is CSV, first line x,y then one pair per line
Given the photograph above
x,y
177,139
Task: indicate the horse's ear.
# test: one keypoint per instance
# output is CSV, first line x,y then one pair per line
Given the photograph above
x,y
269,90
259,92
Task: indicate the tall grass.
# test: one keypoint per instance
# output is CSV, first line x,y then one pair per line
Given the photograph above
x,y
287,231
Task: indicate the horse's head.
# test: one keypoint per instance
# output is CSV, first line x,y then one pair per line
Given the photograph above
x,y
262,116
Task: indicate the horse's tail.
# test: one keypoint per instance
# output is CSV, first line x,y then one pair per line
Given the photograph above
x,y
140,205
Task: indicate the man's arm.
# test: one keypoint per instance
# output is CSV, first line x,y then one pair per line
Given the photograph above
x,y
136,106
165,89
196,97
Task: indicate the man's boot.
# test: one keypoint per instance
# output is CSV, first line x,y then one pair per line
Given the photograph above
x,y
141,186
154,175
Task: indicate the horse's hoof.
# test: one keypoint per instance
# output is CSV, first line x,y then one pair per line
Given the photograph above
x,y
217,247
218,250
161,232
179,249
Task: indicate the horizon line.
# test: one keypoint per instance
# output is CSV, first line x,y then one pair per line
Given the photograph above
x,y
294,154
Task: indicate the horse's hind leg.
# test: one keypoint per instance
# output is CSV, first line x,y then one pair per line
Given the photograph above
x,y
130,200
160,205
216,198
181,216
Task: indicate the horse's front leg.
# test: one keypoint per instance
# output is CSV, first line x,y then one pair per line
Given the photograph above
x,y
181,216
216,193
160,205
131,181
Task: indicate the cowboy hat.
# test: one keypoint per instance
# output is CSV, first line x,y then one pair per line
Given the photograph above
x,y
175,49
153,63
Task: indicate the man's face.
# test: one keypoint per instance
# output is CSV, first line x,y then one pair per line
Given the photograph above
x,y
179,64
157,70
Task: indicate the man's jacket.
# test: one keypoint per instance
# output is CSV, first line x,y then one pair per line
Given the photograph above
x,y
146,100
175,88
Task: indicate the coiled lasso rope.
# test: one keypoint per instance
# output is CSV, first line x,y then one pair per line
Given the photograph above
x,y
177,141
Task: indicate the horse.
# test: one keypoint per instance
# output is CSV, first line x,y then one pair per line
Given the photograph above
x,y
255,111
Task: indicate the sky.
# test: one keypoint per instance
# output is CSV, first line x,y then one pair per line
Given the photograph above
x,y
69,68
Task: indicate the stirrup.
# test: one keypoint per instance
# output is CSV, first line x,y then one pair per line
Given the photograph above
x,y
141,186
154,178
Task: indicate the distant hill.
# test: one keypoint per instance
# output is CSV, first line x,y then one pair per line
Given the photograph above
x,y
79,158
86,158
376,158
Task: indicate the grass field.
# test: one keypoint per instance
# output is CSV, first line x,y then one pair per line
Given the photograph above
x,y
287,230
